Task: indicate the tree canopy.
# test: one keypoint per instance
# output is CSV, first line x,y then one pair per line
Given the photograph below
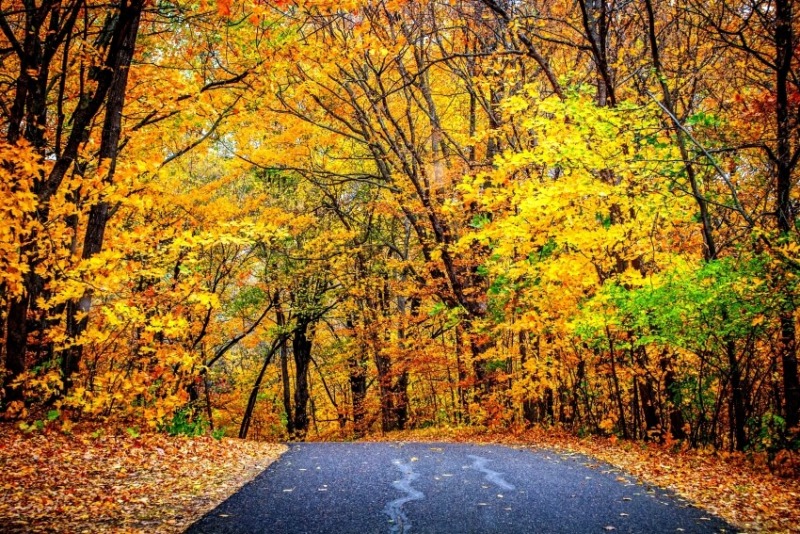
x,y
314,218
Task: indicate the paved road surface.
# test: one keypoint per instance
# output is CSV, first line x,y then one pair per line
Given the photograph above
x,y
402,488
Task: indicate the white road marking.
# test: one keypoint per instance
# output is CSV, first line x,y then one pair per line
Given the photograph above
x,y
479,464
399,520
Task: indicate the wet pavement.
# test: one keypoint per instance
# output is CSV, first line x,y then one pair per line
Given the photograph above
x,y
403,488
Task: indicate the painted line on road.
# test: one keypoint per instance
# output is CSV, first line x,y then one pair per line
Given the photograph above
x,y
400,522
479,464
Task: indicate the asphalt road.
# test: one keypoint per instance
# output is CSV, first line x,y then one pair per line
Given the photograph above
x,y
401,488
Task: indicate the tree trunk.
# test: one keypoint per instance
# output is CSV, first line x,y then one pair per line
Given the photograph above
x,y
791,386
287,390
547,406
357,374
30,107
301,349
576,391
676,421
636,408
251,401
400,394
528,403
383,366
648,399
358,393
784,46
479,344
737,397
596,19
461,369
615,379
100,213
16,346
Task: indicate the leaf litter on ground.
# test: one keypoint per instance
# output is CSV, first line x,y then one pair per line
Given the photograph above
x,y
51,482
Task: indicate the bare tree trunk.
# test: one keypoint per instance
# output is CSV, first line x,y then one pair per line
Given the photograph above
x,y
30,106
247,417
615,379
786,162
461,369
596,19
287,390
676,421
528,404
301,350
357,370
737,397
100,213
647,396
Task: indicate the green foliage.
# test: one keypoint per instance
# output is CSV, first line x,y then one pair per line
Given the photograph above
x,y
437,308
479,221
39,425
704,119
769,431
496,365
548,249
692,310
183,423
247,298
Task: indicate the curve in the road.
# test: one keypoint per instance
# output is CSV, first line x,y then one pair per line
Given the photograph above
x,y
411,488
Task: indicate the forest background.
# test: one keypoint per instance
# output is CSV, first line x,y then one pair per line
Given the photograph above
x,y
316,219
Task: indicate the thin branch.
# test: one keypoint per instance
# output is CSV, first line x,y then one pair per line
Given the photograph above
x,y
205,136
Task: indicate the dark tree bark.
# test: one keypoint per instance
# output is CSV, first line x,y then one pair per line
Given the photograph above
x,y
528,404
358,393
400,394
28,118
301,351
100,213
647,395
596,18
786,162
247,417
738,415
357,375
574,402
463,401
615,380
384,368
676,420
649,410
287,391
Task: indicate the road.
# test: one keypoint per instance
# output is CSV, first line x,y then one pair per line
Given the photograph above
x,y
403,488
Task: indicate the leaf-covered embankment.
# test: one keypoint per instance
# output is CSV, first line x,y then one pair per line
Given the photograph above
x,y
151,483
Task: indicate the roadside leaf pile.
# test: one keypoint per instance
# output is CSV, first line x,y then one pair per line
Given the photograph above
x,y
148,483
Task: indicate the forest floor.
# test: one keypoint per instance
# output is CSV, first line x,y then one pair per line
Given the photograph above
x,y
738,487
89,482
